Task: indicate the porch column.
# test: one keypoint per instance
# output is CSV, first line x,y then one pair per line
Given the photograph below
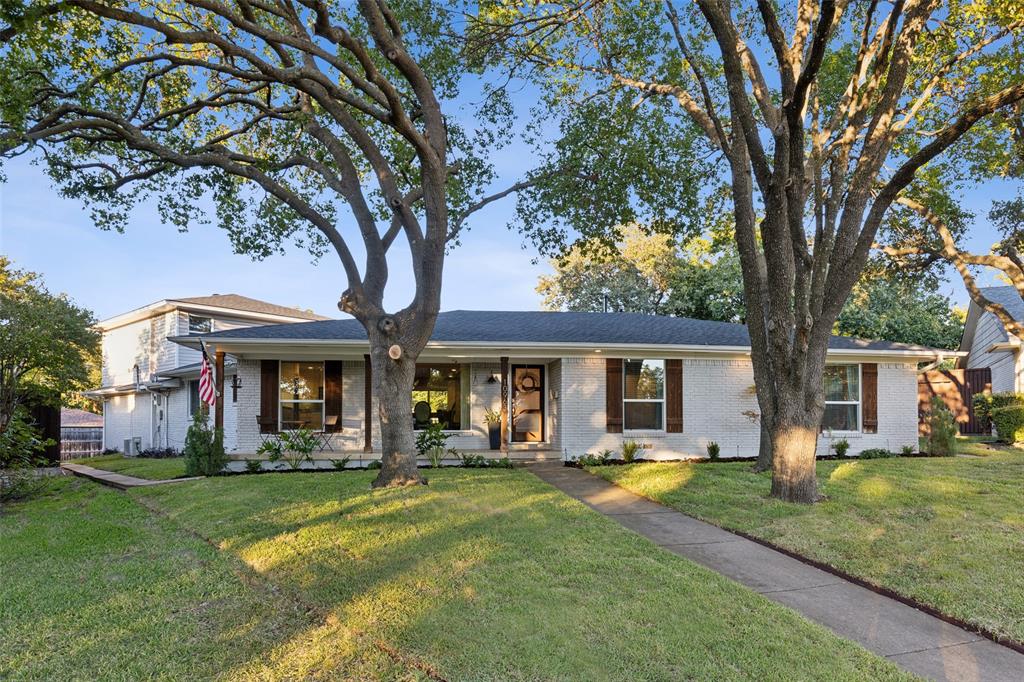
x,y
367,405
218,410
504,404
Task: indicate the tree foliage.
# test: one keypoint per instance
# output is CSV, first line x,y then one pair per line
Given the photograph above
x,y
817,116
324,123
46,342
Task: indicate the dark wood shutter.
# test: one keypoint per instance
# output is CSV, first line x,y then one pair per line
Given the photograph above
x,y
869,396
332,392
674,396
367,404
613,395
269,387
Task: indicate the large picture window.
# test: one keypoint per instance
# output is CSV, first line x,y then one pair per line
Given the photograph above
x,y
440,395
302,395
643,394
842,398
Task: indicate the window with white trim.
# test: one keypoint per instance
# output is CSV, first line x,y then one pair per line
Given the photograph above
x,y
301,395
643,394
199,325
842,398
194,404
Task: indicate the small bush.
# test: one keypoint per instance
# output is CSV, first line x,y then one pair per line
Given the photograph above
x,y
298,446
254,466
714,451
272,449
430,443
159,453
841,447
629,450
204,449
942,429
595,460
876,453
907,450
1009,422
374,465
341,464
481,462
985,403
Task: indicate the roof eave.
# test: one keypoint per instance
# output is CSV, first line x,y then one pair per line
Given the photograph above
x,y
547,347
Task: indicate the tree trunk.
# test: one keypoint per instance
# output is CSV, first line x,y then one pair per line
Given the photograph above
x,y
392,385
764,447
794,441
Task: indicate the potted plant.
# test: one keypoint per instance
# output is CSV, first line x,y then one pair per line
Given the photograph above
x,y
493,420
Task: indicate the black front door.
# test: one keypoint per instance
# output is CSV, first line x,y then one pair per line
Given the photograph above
x,y
527,412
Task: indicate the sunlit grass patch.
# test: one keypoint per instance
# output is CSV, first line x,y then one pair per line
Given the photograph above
x,y
946,531
140,467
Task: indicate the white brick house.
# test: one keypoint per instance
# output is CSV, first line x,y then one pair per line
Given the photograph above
x,y
572,383
149,388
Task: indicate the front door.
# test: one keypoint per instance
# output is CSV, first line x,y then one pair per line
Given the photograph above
x,y
527,411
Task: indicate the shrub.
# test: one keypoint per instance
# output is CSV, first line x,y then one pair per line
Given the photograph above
x,y
985,403
907,450
341,464
159,453
841,446
473,461
629,450
254,466
430,443
942,429
492,417
272,449
592,460
714,451
204,449
876,453
298,446
374,465
1009,422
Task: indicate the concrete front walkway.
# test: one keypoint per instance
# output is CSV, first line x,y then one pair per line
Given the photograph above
x,y
115,480
912,639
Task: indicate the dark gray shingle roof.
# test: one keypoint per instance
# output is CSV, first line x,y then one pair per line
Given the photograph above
x,y
1008,298
500,327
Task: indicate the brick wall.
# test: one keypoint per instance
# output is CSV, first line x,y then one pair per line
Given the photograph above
x,y
716,394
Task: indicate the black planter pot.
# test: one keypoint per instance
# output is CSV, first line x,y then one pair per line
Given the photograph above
x,y
494,435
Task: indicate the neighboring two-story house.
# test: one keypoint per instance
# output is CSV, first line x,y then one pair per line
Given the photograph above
x,y
151,384
988,344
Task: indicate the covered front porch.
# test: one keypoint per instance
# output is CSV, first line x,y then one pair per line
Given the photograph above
x,y
329,391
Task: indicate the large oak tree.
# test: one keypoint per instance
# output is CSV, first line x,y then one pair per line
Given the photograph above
x,y
323,122
819,115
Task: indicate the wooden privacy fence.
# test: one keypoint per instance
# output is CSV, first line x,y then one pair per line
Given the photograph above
x,y
80,442
957,388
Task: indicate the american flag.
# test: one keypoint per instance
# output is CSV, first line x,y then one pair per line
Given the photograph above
x,y
207,389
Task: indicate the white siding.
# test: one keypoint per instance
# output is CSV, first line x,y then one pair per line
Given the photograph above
x,y
125,347
1004,364
716,394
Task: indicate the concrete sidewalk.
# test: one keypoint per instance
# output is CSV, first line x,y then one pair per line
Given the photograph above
x,y
910,638
115,480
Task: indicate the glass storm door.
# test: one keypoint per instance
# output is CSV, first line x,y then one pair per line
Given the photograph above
x,y
527,411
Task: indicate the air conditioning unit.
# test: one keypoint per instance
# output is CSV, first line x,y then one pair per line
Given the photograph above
x,y
132,447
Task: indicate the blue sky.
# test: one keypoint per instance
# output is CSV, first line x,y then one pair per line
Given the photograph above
x,y
111,273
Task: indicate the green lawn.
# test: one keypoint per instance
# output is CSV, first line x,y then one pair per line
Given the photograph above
x,y
948,532
140,467
482,575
